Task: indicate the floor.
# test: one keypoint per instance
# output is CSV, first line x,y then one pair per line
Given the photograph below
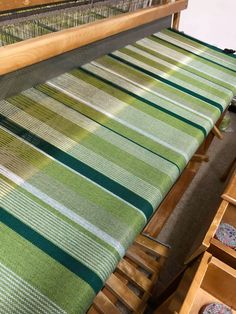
x,y
193,215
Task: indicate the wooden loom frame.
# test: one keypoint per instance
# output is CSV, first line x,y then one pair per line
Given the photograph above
x,y
17,57
23,54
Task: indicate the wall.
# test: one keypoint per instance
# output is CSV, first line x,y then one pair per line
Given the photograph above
x,y
213,21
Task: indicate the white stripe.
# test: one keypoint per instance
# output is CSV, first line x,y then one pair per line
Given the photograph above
x,y
191,63
16,298
79,174
91,258
63,210
80,152
154,92
198,51
111,137
69,243
37,210
28,292
31,291
136,129
189,75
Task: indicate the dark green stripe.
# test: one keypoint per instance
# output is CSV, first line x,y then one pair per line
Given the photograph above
x,y
168,82
80,167
148,102
52,250
201,42
183,66
106,127
195,54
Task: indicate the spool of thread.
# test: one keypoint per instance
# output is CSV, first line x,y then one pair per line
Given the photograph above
x,y
215,308
227,235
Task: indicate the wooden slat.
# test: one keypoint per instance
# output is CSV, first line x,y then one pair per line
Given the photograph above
x,y
92,310
192,280
103,305
123,293
134,275
7,5
142,259
151,246
32,51
222,252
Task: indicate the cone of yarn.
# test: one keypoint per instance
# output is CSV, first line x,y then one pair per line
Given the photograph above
x,y
227,235
215,308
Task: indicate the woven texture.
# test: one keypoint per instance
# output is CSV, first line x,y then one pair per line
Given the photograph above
x,y
86,159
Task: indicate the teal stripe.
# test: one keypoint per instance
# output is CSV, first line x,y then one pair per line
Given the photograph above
x,y
52,250
195,54
179,87
115,132
80,167
201,42
173,61
148,102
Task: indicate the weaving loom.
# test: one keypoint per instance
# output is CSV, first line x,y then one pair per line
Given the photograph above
x,y
88,156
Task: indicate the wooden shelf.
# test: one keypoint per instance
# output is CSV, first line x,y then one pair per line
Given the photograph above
x,y
226,213
206,281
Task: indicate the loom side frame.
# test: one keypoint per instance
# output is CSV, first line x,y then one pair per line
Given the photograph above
x,y
32,51
22,79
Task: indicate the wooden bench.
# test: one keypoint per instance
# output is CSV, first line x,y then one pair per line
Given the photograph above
x,y
130,285
207,280
226,213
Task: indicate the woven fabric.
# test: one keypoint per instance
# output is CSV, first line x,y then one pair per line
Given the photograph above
x,y
86,159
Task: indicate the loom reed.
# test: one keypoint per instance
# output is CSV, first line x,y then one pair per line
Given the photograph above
x,y
22,25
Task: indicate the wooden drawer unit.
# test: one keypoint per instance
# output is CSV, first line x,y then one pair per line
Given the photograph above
x,y
207,280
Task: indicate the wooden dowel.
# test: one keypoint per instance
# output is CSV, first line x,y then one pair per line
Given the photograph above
x,y
217,133
200,158
7,5
32,51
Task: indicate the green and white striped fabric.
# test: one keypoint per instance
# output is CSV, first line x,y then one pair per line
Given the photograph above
x,y
87,158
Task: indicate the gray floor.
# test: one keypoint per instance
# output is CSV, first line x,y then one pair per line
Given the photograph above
x,y
193,215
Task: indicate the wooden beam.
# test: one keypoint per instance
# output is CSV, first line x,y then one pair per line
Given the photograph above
x,y
32,51
7,5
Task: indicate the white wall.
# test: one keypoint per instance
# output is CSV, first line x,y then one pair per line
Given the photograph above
x,y
213,21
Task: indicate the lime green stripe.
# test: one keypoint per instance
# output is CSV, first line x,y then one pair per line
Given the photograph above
x,y
203,43
178,74
94,143
174,115
52,250
81,167
213,103
185,67
138,139
192,55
